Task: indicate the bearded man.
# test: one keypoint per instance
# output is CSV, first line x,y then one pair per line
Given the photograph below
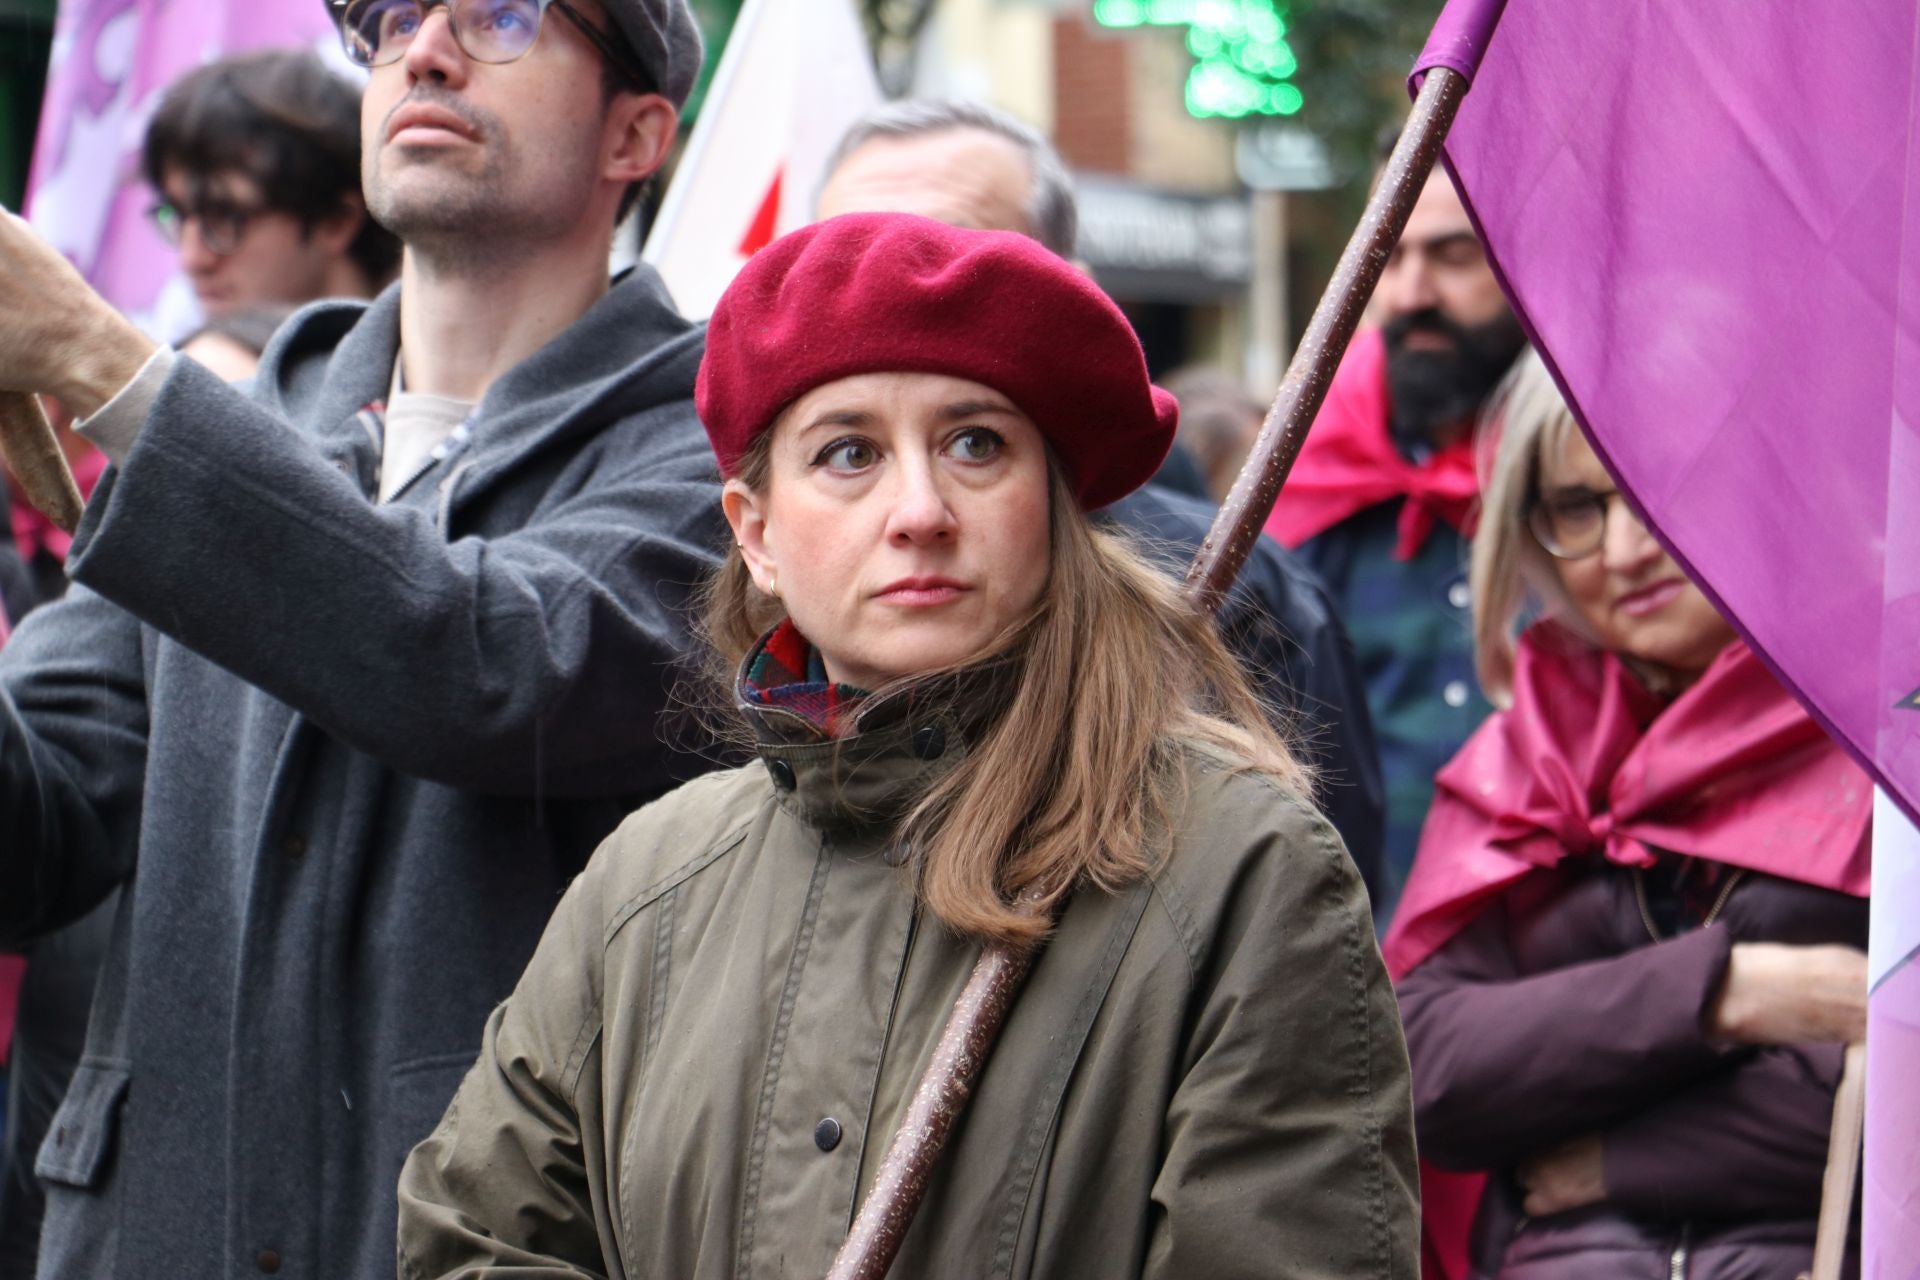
x,y
362,662
1382,498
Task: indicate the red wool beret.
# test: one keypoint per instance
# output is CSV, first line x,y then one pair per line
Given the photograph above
x,y
895,293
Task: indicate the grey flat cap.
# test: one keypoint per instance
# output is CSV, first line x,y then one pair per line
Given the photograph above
x,y
665,35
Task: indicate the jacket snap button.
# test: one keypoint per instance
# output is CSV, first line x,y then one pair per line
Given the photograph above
x,y
826,1134
929,742
269,1261
782,774
296,846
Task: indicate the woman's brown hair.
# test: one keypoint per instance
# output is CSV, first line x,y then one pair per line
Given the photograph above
x,y
1118,671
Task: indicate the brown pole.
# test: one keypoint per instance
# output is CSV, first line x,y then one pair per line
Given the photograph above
x,y
1310,373
977,1016
33,454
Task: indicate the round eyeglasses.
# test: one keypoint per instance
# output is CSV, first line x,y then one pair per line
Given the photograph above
x,y
1571,524
378,32
222,226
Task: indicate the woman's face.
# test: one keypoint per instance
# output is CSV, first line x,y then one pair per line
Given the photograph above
x,y
1628,590
903,524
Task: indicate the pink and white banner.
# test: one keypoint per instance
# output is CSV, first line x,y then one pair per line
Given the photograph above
x,y
111,61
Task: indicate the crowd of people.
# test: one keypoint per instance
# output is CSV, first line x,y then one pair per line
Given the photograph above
x,y
507,773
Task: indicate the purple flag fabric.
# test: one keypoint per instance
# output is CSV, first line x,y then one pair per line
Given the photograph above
x,y
111,59
1707,215
1460,38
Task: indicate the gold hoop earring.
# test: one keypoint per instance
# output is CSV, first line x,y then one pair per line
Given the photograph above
x,y
773,583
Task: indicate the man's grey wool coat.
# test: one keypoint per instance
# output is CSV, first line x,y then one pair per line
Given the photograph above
x,y
345,757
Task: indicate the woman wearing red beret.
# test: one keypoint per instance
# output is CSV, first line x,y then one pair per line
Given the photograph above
x,y
963,696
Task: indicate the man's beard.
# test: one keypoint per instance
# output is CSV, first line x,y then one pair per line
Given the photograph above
x,y
447,211
1431,391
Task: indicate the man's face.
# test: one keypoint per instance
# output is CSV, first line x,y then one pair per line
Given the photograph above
x,y
964,177
237,253
1450,335
472,151
1439,264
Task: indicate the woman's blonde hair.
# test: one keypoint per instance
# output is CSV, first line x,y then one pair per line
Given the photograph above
x,y
1511,574
1074,782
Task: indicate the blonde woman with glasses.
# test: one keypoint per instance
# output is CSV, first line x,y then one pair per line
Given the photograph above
x,y
1630,950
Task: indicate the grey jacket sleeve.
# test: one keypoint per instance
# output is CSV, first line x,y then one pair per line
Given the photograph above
x,y
73,745
535,662
1289,1140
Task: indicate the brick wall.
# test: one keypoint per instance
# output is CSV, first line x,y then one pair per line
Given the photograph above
x,y
1092,110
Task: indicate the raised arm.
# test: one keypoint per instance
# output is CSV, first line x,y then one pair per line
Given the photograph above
x,y
539,661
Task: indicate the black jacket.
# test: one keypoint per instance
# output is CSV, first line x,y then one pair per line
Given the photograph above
x,y
1281,622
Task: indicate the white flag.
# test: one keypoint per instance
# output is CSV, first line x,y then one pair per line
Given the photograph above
x,y
795,75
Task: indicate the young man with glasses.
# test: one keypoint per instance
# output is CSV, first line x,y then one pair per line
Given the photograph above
x,y
360,664
255,166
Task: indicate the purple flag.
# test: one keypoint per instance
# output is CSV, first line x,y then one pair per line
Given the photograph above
x,y
111,59
1707,214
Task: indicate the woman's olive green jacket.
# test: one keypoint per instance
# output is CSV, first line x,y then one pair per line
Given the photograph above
x,y
699,1072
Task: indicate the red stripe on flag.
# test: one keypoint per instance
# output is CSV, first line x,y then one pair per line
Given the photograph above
x,y
760,232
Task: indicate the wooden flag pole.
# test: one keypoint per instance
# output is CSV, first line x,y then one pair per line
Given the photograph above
x,y
978,1014
32,452
1310,372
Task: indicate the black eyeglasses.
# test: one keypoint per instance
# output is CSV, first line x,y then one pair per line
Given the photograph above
x,y
1570,524
222,225
377,32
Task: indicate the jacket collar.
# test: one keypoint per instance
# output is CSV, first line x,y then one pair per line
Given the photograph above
x,y
895,746
629,353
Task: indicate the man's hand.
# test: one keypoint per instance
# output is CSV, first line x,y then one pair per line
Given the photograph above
x,y
56,334
1778,994
1569,1177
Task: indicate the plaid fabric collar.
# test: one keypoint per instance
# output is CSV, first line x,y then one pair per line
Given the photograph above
x,y
788,674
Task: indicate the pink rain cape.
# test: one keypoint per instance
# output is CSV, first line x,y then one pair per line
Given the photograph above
x,y
1589,763
1349,463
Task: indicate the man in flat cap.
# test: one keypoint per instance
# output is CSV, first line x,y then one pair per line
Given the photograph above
x,y
361,664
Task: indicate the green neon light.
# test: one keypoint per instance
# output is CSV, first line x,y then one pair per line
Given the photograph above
x,y
1243,64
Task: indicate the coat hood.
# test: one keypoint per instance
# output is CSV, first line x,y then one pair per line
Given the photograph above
x,y
631,352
